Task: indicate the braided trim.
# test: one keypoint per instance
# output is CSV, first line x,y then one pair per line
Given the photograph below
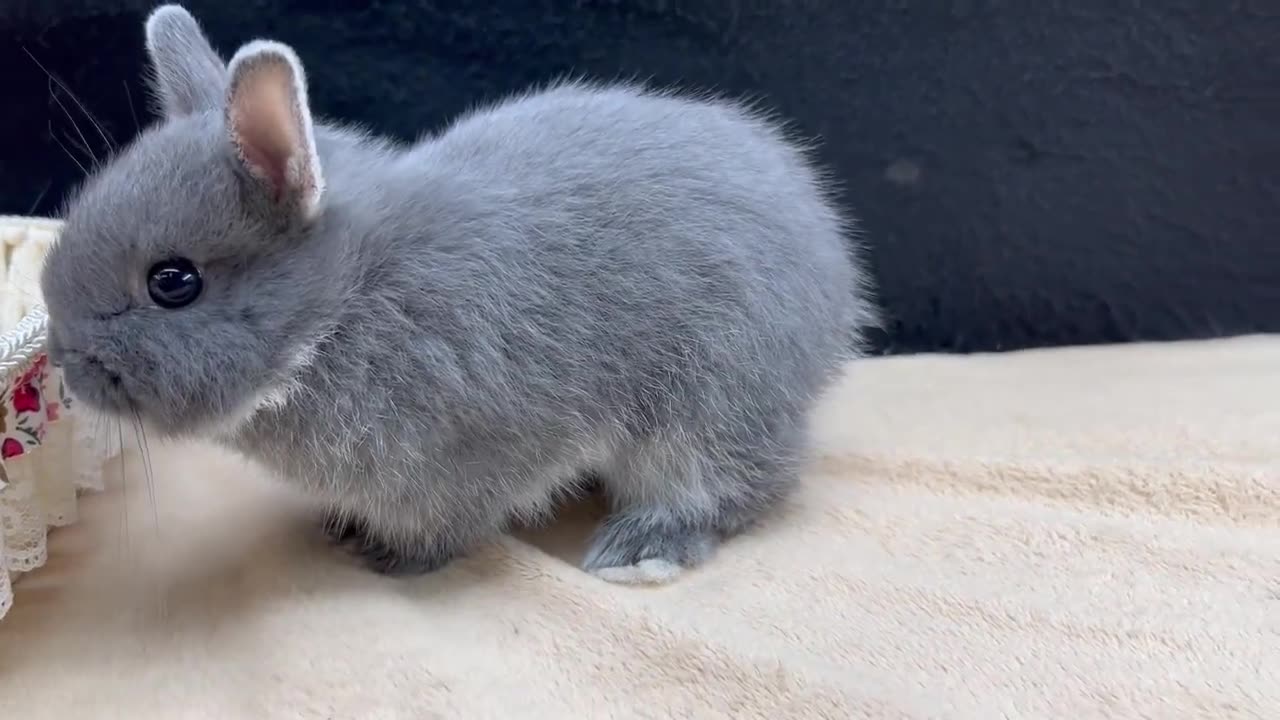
x,y
21,346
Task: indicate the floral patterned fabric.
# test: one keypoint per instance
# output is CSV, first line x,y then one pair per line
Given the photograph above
x,y
34,399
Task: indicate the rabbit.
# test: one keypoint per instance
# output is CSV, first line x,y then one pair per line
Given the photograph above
x,y
438,340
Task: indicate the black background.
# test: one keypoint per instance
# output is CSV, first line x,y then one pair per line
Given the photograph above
x,y
1028,173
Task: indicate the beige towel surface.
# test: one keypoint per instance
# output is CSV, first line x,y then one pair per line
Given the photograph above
x,y
1079,533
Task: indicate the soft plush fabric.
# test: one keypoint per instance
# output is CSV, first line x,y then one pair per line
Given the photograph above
x,y
1056,534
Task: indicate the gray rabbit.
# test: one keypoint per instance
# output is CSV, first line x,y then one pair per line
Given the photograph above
x,y
437,340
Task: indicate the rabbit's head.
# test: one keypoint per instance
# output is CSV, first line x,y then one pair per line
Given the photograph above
x,y
189,282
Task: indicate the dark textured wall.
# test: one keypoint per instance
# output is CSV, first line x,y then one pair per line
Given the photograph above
x,y
1027,173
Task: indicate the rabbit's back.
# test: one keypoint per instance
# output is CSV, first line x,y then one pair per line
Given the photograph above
x,y
570,273
689,236
619,166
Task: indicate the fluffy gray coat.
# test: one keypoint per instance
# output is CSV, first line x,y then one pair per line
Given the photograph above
x,y
438,339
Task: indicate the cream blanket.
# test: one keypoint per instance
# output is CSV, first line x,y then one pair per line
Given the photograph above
x,y
1079,533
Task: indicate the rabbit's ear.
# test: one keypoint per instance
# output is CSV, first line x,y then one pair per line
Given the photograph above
x,y
270,125
187,75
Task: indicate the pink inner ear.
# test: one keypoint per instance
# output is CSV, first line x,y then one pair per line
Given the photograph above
x,y
265,124
269,168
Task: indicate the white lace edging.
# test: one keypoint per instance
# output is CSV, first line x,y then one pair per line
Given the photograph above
x,y
52,454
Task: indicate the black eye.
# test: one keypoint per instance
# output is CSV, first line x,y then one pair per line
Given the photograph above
x,y
174,283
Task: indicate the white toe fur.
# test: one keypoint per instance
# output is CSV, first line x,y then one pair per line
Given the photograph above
x,y
654,571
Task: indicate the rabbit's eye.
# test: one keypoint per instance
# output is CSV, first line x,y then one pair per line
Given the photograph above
x,y
174,283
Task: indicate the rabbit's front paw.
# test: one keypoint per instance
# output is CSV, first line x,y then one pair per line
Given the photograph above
x,y
383,556
392,559
340,527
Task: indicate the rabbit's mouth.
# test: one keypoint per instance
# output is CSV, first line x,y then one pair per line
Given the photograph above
x,y
92,382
